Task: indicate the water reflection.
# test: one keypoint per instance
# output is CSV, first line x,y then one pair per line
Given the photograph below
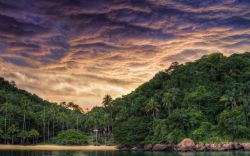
x,y
110,153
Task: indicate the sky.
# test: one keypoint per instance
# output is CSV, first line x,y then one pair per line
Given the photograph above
x,y
81,50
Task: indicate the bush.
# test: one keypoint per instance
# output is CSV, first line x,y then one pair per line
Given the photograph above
x,y
132,132
233,123
71,137
158,132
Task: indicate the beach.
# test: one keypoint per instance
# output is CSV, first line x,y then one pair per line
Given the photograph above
x,y
57,147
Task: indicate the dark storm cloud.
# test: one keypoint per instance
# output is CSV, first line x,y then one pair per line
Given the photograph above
x,y
10,25
116,43
17,61
236,37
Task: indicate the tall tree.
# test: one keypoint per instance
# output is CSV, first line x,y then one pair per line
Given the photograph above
x,y
152,107
33,133
13,130
107,101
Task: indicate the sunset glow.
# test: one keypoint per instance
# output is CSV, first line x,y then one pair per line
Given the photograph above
x,y
81,50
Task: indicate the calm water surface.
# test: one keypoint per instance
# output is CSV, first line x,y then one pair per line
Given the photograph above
x,y
111,153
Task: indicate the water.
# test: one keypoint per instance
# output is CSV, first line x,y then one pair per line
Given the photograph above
x,y
116,153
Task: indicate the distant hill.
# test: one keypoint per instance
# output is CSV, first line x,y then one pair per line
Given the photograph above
x,y
26,118
207,100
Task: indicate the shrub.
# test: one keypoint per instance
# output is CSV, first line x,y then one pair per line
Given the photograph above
x,y
71,137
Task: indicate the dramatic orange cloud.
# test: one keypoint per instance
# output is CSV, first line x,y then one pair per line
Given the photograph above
x,y
80,50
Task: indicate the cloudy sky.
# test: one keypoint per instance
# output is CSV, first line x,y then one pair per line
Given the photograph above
x,y
80,50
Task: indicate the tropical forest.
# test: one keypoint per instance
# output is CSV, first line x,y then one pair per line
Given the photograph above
x,y
207,100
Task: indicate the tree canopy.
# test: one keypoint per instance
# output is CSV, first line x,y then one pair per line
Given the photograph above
x,y
206,100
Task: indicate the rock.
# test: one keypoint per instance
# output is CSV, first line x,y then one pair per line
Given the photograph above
x,y
159,147
221,147
227,147
134,149
170,148
148,147
186,145
216,147
246,146
137,148
207,146
124,149
238,146
200,147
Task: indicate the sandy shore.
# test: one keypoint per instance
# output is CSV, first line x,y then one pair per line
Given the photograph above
x,y
57,147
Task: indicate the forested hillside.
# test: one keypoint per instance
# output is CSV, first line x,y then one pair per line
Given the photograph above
x,y
206,100
26,118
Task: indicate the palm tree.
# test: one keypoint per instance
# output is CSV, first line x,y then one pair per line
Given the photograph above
x,y
170,98
91,124
44,125
25,103
167,101
107,101
230,98
152,106
33,133
23,136
200,92
106,123
62,119
6,111
13,129
78,110
1,133
243,96
5,119
6,137
54,109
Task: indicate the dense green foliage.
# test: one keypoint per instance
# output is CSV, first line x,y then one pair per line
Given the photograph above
x,y
71,137
135,129
207,100
26,118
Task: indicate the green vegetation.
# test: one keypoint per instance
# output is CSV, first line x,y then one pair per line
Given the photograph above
x,y
27,119
207,100
71,137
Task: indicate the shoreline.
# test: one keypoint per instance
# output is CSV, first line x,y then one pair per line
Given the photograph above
x,y
151,148
58,147
186,146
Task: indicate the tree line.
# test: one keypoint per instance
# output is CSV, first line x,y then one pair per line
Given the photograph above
x,y
26,118
207,100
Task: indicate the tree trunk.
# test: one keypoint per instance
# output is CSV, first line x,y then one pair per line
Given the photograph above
x,y
44,125
53,128
48,129
24,124
5,123
28,127
96,138
53,124
105,139
77,123
12,139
